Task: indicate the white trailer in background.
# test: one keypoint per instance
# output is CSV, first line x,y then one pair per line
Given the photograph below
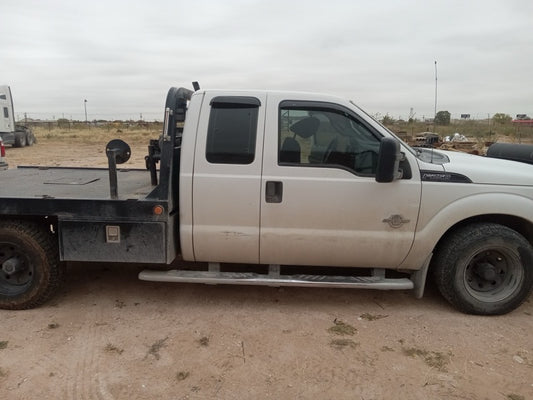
x,y
11,133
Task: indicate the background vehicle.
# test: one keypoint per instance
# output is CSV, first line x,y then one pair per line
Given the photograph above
x,y
13,134
3,163
247,191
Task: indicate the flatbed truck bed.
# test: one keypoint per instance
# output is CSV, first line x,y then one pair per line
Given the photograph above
x,y
73,183
89,219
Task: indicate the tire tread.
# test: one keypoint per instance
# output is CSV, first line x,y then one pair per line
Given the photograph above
x,y
56,270
446,256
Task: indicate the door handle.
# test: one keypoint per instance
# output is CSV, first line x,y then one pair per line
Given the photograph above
x,y
274,192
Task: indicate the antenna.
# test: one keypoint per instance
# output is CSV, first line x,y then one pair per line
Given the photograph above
x,y
435,114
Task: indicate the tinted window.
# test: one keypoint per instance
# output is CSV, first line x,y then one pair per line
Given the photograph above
x,y
6,112
316,136
231,133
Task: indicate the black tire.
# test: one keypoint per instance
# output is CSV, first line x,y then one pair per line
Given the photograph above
x,y
20,139
30,139
32,252
484,269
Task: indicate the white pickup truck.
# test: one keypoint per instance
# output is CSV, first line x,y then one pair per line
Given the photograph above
x,y
278,188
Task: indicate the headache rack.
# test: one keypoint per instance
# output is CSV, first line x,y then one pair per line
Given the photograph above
x,y
166,149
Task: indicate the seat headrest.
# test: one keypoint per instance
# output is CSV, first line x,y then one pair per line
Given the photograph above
x,y
306,127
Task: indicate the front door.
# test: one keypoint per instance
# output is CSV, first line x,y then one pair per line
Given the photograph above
x,y
320,203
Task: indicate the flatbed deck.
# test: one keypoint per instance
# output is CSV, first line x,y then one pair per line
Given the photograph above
x,y
72,183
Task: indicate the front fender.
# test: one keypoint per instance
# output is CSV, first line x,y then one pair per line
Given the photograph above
x,y
437,217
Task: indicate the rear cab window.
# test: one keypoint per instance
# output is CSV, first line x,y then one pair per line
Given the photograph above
x,y
232,130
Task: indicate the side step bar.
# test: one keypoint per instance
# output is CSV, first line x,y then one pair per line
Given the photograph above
x,y
214,276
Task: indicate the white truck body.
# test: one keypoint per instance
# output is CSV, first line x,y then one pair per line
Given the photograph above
x,y
330,215
280,189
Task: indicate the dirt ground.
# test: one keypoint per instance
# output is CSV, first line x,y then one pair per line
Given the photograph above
x,y
107,335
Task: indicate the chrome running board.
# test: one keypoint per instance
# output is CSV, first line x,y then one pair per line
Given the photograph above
x,y
214,277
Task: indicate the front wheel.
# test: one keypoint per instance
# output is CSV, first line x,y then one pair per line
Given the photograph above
x,y
30,272
484,269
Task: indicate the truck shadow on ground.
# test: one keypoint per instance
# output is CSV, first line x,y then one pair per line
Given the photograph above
x,y
101,282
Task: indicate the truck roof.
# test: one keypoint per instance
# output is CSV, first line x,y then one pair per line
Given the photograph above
x,y
283,93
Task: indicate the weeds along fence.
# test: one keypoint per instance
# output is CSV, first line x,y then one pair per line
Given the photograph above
x,y
487,129
68,125
480,129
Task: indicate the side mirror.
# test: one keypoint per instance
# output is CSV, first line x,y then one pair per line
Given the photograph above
x,y
388,168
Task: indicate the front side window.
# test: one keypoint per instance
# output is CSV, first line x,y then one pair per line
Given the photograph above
x,y
322,136
232,130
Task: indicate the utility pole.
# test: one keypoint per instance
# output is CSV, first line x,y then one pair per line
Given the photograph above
x,y
85,104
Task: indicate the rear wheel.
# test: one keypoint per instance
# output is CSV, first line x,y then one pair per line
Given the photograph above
x,y
20,139
30,139
30,271
484,269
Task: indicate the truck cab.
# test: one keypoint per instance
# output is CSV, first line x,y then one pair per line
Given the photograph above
x,y
303,179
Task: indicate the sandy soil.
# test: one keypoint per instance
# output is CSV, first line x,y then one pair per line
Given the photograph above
x,y
107,335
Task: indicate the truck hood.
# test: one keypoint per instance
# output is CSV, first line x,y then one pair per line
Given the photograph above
x,y
488,170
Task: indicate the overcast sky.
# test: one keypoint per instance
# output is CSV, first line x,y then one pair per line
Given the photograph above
x,y
122,56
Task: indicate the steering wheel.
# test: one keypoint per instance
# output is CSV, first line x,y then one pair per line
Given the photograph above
x,y
370,164
332,146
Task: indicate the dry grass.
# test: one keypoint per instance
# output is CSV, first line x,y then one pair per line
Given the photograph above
x,y
434,359
96,135
111,348
479,129
340,344
156,347
372,317
342,328
182,375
